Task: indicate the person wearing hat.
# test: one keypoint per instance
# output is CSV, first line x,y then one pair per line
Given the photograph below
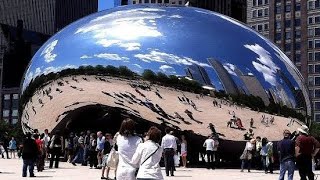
x,y
306,149
286,155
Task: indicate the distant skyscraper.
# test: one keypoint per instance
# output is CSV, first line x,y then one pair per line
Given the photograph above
x,y
294,25
199,74
225,78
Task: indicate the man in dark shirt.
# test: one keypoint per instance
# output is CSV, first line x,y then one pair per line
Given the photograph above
x,y
286,154
306,149
29,155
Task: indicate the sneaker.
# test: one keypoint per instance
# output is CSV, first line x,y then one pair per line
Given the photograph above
x,y
74,164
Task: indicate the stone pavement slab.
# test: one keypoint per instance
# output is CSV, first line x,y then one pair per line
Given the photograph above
x,y
11,170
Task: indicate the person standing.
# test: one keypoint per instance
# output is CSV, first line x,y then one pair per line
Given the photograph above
x,y
169,144
79,156
148,156
184,151
46,140
92,153
306,149
257,159
267,155
13,147
286,150
100,145
105,152
209,145
29,155
86,148
5,145
127,143
56,147
246,156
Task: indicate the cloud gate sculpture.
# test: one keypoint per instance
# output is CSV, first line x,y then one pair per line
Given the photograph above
x,y
173,66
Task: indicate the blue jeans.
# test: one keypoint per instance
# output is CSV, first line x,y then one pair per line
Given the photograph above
x,y
26,163
287,166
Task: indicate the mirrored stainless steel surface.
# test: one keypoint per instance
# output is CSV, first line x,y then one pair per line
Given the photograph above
x,y
156,63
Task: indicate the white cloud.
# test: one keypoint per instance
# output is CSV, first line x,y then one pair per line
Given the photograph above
x,y
250,74
167,69
85,57
156,56
114,57
177,16
230,68
264,63
130,46
138,66
107,43
47,52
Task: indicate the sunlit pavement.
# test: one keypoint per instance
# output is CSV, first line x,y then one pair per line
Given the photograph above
x,y
11,169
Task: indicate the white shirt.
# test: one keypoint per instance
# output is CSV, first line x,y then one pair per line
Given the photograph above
x,y
249,146
46,139
209,144
169,141
150,169
126,148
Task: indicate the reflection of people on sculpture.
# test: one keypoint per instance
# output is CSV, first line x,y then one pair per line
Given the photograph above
x,y
249,135
193,105
239,123
251,122
158,95
177,115
189,113
212,128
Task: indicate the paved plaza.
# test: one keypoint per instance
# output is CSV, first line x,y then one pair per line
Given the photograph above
x,y
11,170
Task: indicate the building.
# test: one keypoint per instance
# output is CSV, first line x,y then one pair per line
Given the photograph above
x,y
225,78
198,74
294,25
39,19
232,8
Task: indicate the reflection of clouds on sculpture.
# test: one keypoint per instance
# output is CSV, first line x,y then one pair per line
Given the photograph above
x,y
122,32
167,69
138,66
107,56
230,68
156,56
47,52
32,75
264,63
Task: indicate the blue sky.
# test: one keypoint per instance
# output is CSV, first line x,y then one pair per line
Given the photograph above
x,y
105,4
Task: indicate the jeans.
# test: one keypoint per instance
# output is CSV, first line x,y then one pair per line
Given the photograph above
x,y
287,166
169,161
26,163
304,163
246,161
79,156
55,156
210,160
270,165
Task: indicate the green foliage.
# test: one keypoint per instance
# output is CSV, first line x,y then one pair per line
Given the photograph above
x,y
315,129
11,130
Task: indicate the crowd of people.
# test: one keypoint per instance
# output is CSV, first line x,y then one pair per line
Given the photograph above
x,y
138,157
295,150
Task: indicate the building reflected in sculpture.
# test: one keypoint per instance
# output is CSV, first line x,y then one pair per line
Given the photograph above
x,y
161,66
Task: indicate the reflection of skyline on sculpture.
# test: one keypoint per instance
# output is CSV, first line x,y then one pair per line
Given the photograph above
x,y
217,52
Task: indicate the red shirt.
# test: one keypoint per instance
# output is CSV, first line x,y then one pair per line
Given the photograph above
x,y
39,144
307,144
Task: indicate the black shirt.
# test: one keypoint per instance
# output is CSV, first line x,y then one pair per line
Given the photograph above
x,y
107,147
30,149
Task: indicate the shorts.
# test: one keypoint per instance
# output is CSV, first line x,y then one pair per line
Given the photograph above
x,y
184,154
12,150
104,160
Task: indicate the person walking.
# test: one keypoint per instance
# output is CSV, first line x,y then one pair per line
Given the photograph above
x,y
5,144
184,151
306,149
39,158
100,145
169,144
56,148
209,145
29,155
127,143
79,155
105,153
86,148
286,150
267,155
246,156
148,156
46,140
13,147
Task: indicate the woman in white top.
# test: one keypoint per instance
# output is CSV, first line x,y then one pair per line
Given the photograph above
x,y
127,144
148,156
247,154
184,151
